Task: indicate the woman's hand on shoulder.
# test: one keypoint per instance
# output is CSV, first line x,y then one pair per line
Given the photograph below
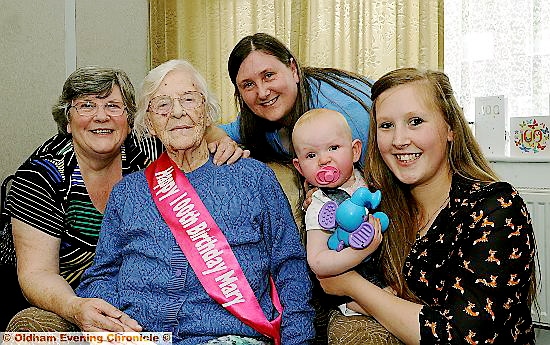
x,y
96,315
227,151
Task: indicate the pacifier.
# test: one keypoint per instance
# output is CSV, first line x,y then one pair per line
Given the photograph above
x,y
327,175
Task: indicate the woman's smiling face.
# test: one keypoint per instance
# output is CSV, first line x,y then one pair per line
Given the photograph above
x,y
412,135
268,87
100,134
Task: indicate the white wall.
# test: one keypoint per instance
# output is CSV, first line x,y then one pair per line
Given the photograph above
x,y
524,173
39,48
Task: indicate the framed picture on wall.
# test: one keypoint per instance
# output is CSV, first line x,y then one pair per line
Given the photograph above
x,y
530,136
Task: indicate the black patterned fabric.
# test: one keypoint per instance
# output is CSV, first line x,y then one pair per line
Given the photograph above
x,y
11,292
472,268
48,193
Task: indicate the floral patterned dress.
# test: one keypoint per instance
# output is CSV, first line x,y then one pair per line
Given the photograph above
x,y
473,268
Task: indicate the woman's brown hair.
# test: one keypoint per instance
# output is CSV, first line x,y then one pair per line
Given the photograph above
x,y
254,128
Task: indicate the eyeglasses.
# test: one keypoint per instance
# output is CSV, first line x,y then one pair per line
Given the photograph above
x,y
89,108
164,104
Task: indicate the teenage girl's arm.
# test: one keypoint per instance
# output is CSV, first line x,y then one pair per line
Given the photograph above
x,y
485,290
327,262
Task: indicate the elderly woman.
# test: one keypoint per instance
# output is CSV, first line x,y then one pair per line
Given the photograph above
x,y
203,251
58,197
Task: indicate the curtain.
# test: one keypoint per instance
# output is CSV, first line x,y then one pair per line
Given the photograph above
x,y
499,47
367,37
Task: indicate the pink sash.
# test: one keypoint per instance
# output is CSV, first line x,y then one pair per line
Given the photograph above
x,y
206,247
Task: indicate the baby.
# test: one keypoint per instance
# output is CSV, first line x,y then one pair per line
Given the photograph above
x,y
325,157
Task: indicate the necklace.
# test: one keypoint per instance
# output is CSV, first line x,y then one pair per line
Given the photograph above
x,y
445,202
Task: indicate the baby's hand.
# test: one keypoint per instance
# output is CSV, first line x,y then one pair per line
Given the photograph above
x,y
377,238
309,189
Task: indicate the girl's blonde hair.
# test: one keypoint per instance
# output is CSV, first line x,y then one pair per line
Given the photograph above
x,y
463,153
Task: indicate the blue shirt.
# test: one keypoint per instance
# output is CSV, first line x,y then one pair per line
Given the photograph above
x,y
140,268
325,96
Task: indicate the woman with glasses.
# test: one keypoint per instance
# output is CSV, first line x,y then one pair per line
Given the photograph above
x,y
170,234
58,197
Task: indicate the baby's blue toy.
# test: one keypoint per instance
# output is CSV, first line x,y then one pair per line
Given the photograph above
x,y
350,219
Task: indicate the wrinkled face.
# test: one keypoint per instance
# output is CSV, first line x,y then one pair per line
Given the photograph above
x,y
180,129
268,87
325,142
100,134
412,135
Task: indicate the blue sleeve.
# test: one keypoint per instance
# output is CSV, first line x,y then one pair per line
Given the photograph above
x,y
100,279
326,96
233,129
288,262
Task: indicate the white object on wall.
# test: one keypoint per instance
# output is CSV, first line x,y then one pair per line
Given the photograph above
x,y
491,125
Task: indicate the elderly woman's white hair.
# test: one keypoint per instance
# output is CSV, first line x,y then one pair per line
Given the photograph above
x,y
152,82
